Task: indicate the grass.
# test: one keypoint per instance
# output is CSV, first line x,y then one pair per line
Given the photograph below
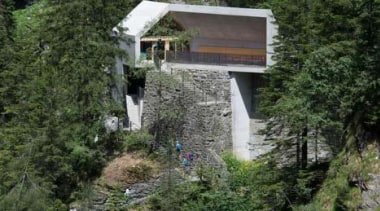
x,y
336,192
129,168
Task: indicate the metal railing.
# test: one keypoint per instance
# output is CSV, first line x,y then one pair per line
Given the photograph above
x,y
214,58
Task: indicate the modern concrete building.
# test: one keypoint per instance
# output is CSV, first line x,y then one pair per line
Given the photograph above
x,y
236,41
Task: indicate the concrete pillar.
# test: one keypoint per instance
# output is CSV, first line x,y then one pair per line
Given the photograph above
x,y
240,105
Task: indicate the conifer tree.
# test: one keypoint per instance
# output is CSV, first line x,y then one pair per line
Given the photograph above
x,y
368,59
62,98
6,54
335,68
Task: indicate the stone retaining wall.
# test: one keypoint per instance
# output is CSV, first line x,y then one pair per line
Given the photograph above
x,y
204,96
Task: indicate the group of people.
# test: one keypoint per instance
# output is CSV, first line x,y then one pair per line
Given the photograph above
x,y
187,157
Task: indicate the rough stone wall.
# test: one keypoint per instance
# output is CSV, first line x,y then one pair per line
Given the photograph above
x,y
205,98
283,143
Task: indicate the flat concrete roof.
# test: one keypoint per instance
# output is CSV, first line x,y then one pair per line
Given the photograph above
x,y
148,13
218,10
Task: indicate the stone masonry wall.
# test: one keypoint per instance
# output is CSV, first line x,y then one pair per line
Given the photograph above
x,y
205,98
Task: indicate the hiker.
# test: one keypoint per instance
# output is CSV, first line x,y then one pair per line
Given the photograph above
x,y
187,156
191,155
129,192
186,163
178,148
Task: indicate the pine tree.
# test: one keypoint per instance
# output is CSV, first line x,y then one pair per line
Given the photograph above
x,y
291,50
59,103
368,59
6,54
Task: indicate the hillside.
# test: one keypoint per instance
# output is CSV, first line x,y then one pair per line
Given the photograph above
x,y
63,144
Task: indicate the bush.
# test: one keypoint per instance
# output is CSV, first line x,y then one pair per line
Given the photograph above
x,y
155,202
137,140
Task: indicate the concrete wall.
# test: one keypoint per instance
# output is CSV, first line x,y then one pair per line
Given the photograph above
x,y
247,122
241,105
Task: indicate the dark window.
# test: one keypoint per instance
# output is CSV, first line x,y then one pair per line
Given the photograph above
x,y
134,82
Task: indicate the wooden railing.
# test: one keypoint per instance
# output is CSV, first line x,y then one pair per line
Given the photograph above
x,y
214,58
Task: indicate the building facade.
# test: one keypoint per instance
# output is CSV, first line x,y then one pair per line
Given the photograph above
x,y
218,71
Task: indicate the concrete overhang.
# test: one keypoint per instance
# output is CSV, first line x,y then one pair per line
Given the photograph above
x,y
235,24
143,17
224,68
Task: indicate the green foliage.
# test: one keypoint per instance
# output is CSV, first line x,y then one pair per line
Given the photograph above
x,y
28,19
168,27
137,140
86,162
244,3
165,27
116,201
84,197
7,53
248,186
54,95
260,184
155,202
324,77
30,194
170,112
323,74
343,186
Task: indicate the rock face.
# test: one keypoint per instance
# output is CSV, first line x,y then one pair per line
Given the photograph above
x,y
284,144
204,97
371,173
259,144
138,195
111,123
371,197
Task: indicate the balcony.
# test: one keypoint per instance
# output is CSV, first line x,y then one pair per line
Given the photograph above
x,y
214,58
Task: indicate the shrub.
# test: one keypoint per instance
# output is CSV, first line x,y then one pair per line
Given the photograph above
x,y
137,140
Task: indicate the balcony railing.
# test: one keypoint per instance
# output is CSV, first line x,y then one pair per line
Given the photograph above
x,y
214,58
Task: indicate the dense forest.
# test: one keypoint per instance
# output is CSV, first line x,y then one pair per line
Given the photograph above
x,y
55,94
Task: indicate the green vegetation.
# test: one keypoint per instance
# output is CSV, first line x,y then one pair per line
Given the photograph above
x,y
323,80
54,95
137,140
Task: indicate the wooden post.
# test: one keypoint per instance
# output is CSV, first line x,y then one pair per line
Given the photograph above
x,y
167,48
152,51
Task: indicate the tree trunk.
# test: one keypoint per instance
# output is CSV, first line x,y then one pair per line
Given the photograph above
x,y
316,147
298,152
304,148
